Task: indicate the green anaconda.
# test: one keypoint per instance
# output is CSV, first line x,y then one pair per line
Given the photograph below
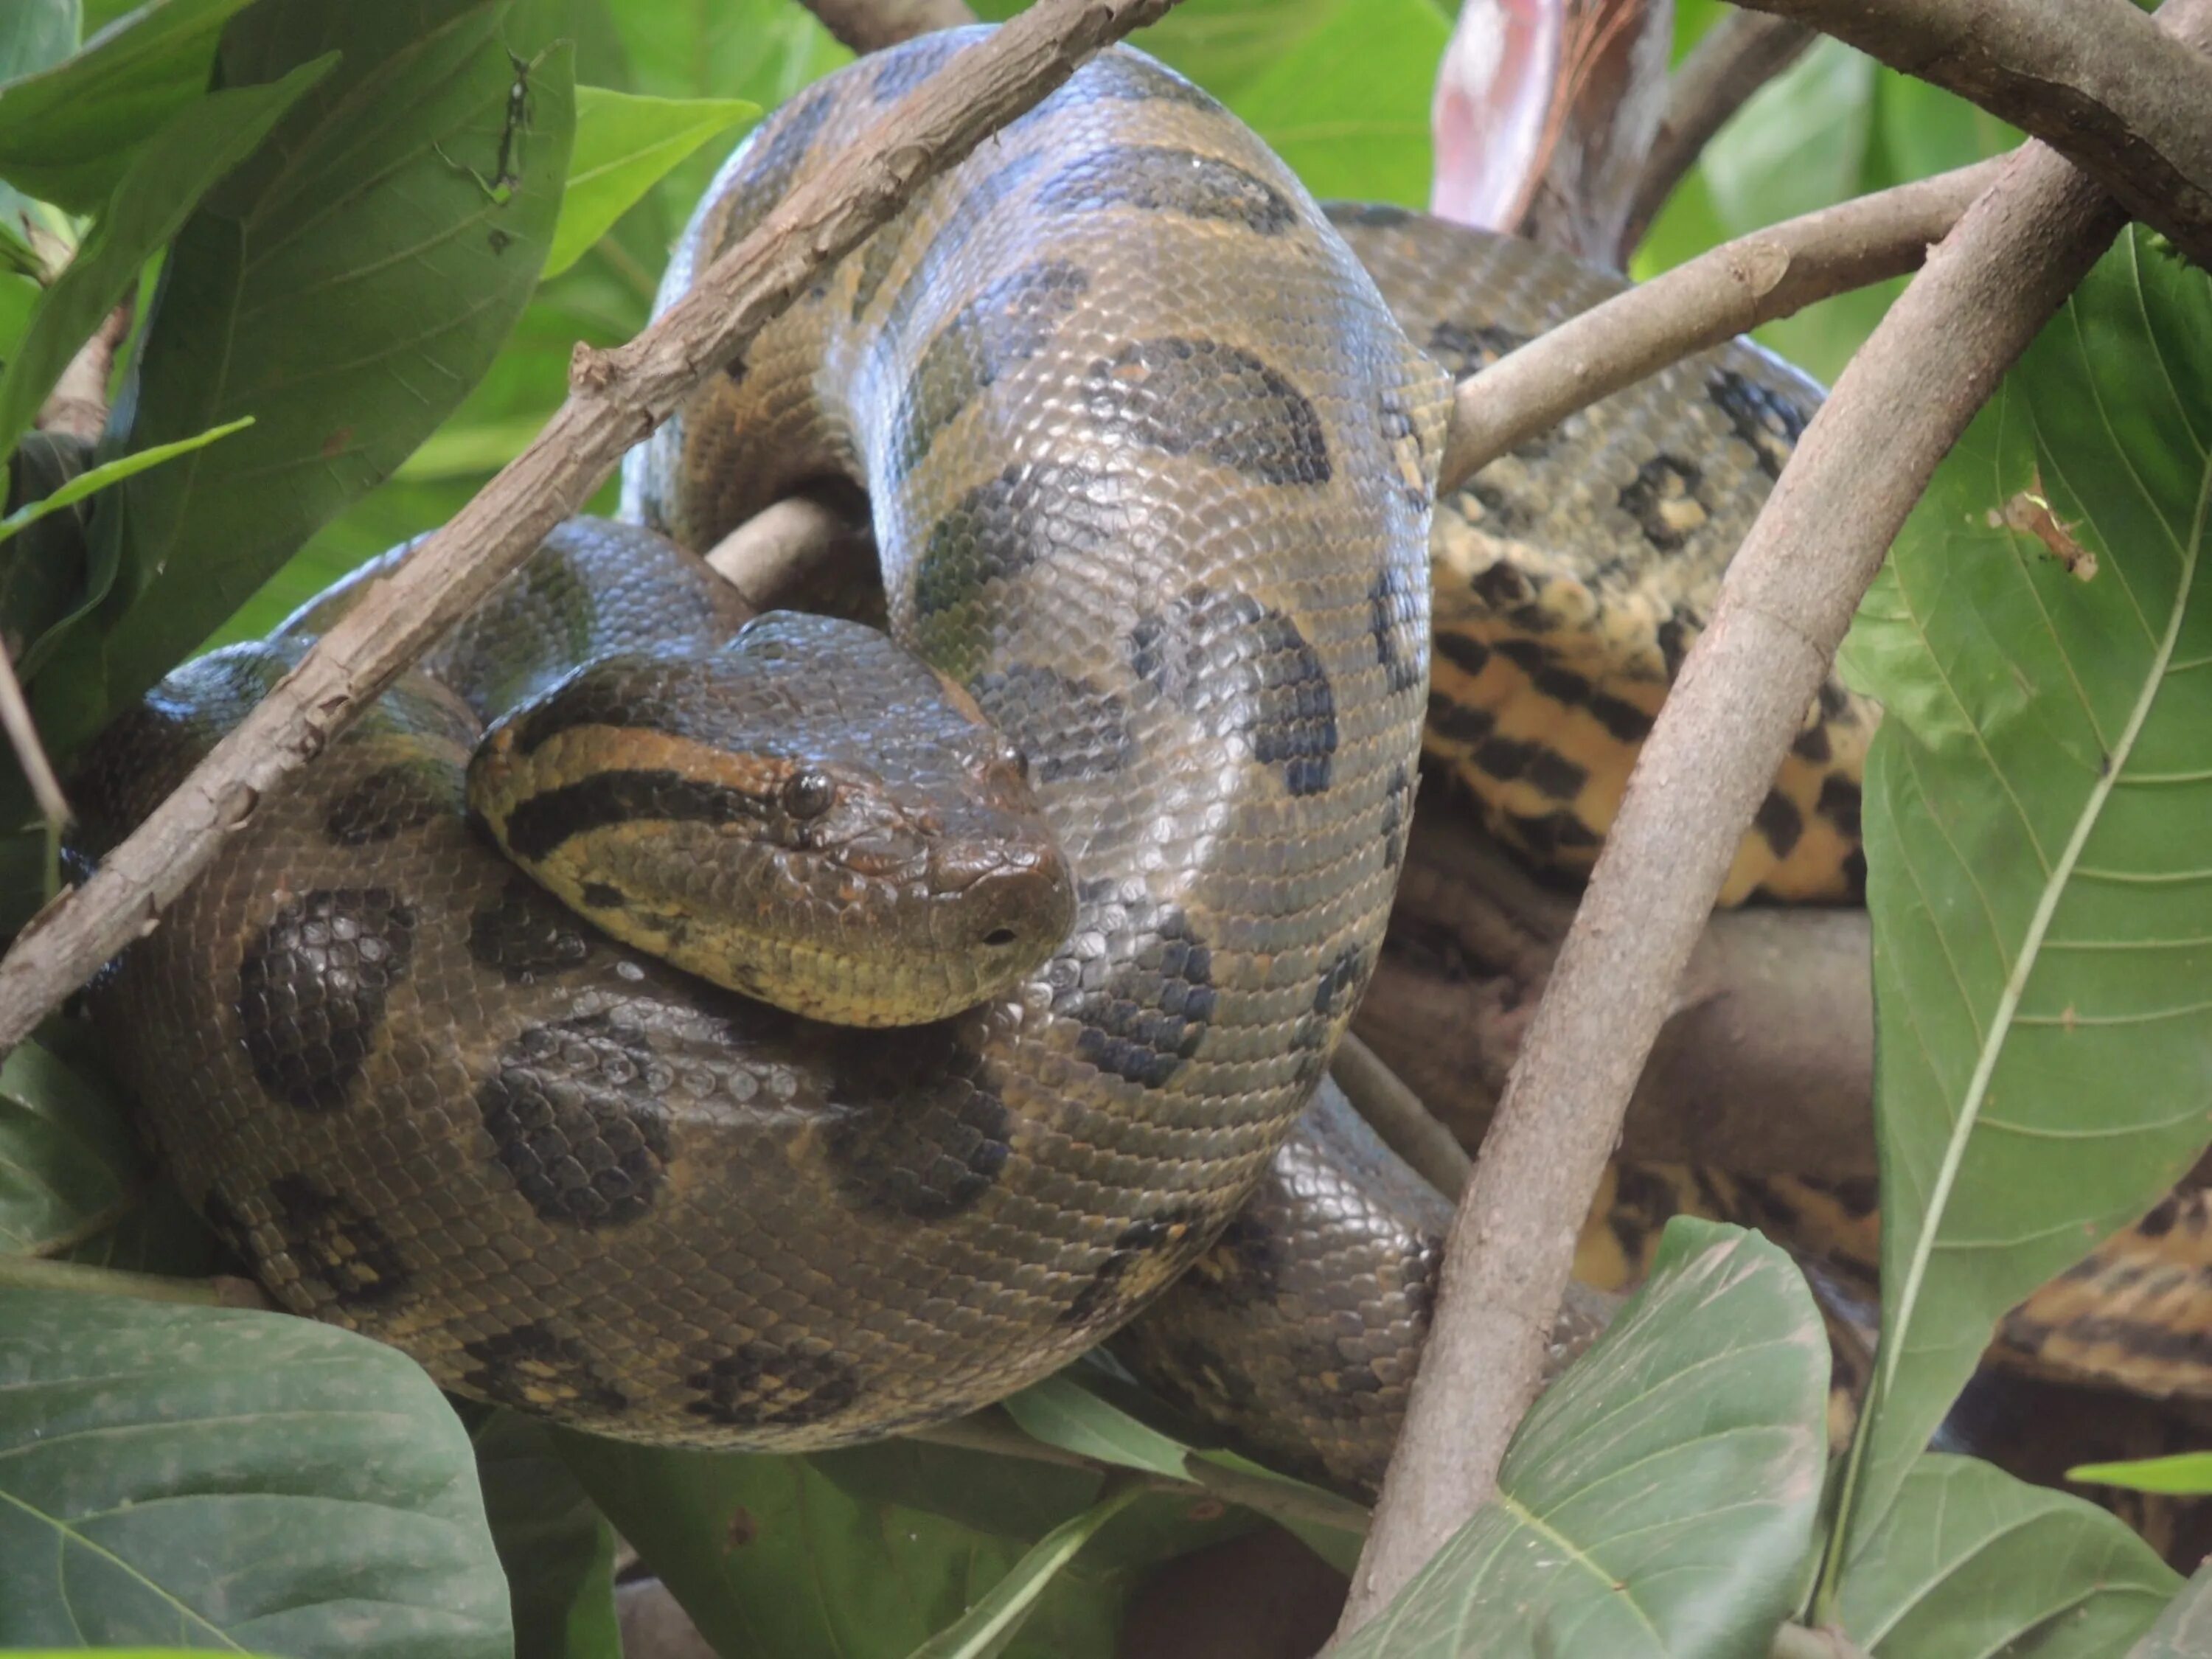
x,y
1150,465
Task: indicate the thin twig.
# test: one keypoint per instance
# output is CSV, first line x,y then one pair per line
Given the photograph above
x,y
1722,292
614,398
1397,1115
78,406
2096,80
1784,606
773,552
30,754
871,25
1740,54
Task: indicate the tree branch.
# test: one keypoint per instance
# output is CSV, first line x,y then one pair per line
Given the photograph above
x,y
1738,55
78,406
1721,294
1784,606
2096,80
615,397
871,25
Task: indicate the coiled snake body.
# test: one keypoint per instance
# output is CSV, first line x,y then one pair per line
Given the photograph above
x,y
1151,465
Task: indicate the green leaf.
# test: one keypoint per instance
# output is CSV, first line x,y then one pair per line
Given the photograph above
x,y
111,472
2033,808
34,34
67,1155
1971,1563
1062,1413
558,1550
769,1556
66,135
233,1479
625,146
199,145
1659,1499
2184,1630
2187,1474
347,285
986,1628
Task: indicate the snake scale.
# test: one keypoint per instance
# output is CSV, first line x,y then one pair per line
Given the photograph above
x,y
1150,464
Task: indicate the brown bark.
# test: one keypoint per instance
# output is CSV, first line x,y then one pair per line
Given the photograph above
x,y
614,398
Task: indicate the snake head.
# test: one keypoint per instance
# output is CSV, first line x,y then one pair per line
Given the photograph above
x,y
811,816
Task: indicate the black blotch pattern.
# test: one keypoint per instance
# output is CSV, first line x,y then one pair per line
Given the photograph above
x,y
575,1114
1100,1294
1126,78
392,800
1464,348
1067,725
1499,512
762,1384
603,896
532,1368
538,824
1812,744
312,990
917,1127
999,529
1342,981
954,237
1555,776
1256,1256
1780,821
1528,656
1186,396
1401,436
1833,699
1763,418
1458,722
1397,799
1549,834
905,67
1561,685
1241,668
1660,480
775,160
1008,324
524,933
1505,758
336,1245
1855,872
225,1222
1463,651
1501,587
1839,803
1138,980
1393,615
1158,180
1674,644
1373,215
1623,720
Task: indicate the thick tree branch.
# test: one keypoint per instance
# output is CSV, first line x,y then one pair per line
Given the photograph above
x,y
871,25
616,398
2096,80
1719,294
1788,597
1738,55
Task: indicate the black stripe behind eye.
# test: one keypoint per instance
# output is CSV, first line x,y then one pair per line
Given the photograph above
x,y
543,822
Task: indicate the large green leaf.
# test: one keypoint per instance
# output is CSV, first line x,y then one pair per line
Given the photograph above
x,y
66,135
346,286
989,1627
233,1479
2184,1630
200,143
770,1557
624,144
68,1162
2035,805
1659,1499
34,34
557,1549
1972,1563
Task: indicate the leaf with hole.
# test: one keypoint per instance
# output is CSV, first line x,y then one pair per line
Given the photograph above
x,y
1971,1562
239,1480
67,133
1658,1500
2034,808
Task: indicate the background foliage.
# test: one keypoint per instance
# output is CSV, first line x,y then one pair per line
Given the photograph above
x,y
175,1472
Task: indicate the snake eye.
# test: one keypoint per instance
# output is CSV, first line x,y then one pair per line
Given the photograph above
x,y
809,794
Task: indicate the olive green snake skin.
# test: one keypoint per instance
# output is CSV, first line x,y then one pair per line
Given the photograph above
x,y
1151,465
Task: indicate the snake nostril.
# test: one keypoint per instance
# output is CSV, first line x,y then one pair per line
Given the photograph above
x,y
999,937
